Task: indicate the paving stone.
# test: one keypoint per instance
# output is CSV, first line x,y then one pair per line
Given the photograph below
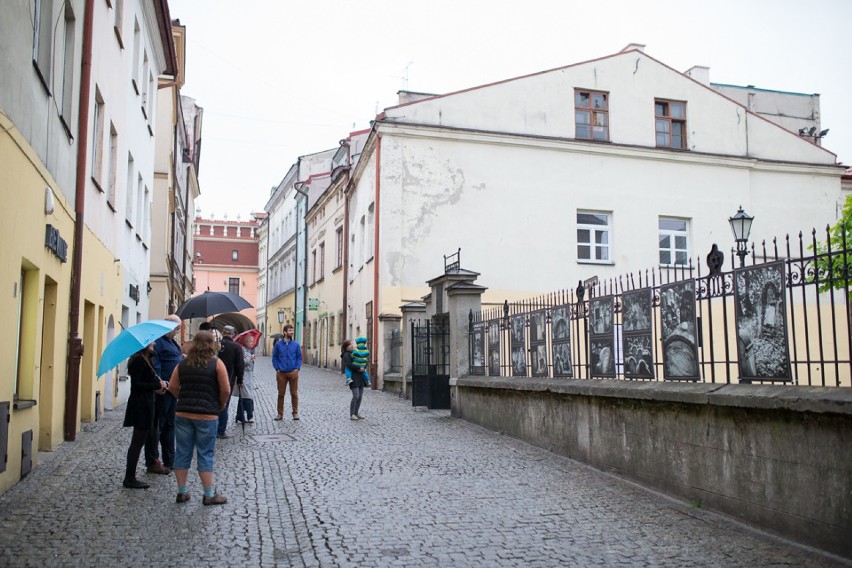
x,y
403,487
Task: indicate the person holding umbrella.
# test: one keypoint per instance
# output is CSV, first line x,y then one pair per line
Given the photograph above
x,y
231,355
245,388
167,355
144,382
200,384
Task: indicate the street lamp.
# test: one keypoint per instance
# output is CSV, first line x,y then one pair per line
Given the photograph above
x,y
741,227
281,315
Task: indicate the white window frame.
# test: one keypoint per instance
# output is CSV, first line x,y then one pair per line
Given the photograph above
x,y
671,234
592,242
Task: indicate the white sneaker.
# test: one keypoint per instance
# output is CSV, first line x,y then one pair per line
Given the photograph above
x,y
353,417
359,417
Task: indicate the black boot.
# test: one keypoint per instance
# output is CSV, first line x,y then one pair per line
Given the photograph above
x,y
133,483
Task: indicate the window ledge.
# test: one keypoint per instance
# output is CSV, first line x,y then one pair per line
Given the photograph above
x,y
97,184
20,404
118,36
598,262
338,269
320,280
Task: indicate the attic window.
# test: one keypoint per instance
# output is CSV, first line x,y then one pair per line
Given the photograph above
x,y
670,121
591,115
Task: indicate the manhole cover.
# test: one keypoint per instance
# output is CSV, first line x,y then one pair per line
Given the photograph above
x,y
273,438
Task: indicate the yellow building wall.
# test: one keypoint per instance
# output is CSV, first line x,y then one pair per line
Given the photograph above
x,y
36,287
102,291
287,302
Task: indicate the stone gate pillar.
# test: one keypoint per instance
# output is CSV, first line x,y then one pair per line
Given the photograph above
x,y
410,312
463,297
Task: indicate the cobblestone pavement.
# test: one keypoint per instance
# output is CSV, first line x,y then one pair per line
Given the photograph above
x,y
403,487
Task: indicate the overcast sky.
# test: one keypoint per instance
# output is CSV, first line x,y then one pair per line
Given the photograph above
x,y
282,78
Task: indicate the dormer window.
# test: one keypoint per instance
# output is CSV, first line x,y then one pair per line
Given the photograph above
x,y
591,115
670,120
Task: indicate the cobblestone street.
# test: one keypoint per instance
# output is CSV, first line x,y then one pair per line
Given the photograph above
x,y
403,487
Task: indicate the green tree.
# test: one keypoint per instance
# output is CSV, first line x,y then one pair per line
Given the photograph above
x,y
834,259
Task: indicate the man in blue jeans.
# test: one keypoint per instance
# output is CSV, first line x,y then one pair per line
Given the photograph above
x,y
167,355
231,355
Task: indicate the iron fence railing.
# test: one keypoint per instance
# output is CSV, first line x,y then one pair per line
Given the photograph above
x,y
782,319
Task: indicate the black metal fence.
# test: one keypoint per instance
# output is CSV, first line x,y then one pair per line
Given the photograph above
x,y
784,318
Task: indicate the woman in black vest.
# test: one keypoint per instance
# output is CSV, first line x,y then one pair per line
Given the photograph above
x,y
200,384
139,414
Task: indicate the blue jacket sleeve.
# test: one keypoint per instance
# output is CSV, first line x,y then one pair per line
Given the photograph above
x,y
276,356
298,356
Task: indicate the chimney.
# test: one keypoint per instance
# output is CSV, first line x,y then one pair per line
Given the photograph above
x,y
634,46
700,73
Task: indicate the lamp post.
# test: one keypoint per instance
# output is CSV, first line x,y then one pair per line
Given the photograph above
x,y
741,227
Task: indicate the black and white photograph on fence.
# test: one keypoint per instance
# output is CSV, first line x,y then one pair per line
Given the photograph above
x,y
638,356
562,360
636,310
761,313
519,361
600,315
602,357
494,348
540,360
680,347
478,349
538,333
560,320
518,323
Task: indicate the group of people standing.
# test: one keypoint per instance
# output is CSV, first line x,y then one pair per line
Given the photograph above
x,y
179,399
180,396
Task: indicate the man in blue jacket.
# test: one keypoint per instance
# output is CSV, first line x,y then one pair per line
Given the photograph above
x,y
167,355
287,360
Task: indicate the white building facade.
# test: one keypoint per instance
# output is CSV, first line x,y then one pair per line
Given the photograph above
x,y
592,170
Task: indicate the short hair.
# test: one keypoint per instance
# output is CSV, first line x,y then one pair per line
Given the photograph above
x,y
288,326
204,326
229,330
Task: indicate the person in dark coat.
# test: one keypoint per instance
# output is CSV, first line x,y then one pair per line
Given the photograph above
x,y
231,355
144,383
167,355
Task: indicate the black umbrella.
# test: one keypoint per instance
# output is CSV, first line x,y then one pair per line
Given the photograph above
x,y
212,303
277,336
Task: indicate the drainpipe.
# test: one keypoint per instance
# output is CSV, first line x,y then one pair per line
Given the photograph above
x,y
374,382
75,342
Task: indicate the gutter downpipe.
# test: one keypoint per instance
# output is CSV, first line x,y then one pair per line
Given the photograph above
x,y
374,382
75,342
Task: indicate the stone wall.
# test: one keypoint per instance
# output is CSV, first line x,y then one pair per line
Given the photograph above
x,y
776,457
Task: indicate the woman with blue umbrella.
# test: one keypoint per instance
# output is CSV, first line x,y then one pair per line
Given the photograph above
x,y
144,383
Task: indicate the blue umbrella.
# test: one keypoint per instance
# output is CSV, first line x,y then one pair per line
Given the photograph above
x,y
131,340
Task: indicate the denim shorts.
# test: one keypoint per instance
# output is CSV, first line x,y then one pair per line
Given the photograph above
x,y
198,434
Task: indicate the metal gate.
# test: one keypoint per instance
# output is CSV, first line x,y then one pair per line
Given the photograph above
x,y
430,346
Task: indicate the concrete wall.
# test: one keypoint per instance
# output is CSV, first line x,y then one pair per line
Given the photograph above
x,y
776,457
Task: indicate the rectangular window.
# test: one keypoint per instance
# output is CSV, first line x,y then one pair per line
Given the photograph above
x,y
68,67
593,236
235,255
313,266
339,248
674,241
113,166
98,139
119,16
234,285
137,39
322,261
591,115
670,121
129,198
43,39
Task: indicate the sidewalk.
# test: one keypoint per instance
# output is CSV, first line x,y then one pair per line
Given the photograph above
x,y
403,487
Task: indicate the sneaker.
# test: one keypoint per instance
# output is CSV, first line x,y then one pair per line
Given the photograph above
x,y
359,417
279,417
182,497
158,467
295,417
250,421
215,500
135,484
353,417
